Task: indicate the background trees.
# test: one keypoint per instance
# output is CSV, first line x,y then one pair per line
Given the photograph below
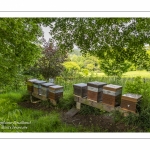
x,y
49,65
115,42
123,39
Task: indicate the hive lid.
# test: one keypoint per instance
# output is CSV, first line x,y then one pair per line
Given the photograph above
x,y
96,84
80,84
55,87
112,87
131,97
39,82
47,84
32,80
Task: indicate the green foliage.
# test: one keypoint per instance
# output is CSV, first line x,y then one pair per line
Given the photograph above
x,y
38,121
49,65
112,68
115,40
86,62
45,121
90,67
19,46
71,69
85,109
135,86
98,36
84,72
116,115
139,86
142,121
144,118
49,123
67,102
99,33
71,66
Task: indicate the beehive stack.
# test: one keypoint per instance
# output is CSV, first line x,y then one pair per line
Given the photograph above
x,y
112,94
30,85
37,87
95,90
80,89
55,92
130,102
45,89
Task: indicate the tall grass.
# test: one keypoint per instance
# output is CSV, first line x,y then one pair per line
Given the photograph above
x,y
14,118
41,121
137,85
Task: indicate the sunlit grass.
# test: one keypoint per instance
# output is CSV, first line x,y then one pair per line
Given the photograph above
x,y
144,74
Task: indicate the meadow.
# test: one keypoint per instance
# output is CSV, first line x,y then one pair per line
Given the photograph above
x,y
17,118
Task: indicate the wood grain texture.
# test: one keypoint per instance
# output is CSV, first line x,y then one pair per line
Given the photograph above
x,y
100,105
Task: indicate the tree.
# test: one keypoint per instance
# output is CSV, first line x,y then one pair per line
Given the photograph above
x,y
19,46
90,67
49,65
112,68
71,68
126,36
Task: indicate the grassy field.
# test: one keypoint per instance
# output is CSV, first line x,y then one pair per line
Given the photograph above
x,y
143,74
15,118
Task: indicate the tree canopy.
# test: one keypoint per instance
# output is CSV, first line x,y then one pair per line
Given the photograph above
x,y
49,65
19,45
121,38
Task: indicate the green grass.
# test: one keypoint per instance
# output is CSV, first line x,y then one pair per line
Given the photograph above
x,y
14,118
42,121
143,74
131,83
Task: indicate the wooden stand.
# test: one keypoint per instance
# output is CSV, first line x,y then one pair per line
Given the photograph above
x,y
79,100
41,98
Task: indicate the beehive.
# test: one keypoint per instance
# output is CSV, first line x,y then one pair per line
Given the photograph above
x,y
80,89
30,85
95,90
37,86
55,92
112,94
131,102
45,89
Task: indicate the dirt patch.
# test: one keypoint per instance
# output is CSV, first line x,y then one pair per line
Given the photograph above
x,y
95,123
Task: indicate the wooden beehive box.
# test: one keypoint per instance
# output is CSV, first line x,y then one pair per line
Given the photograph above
x,y
130,102
30,85
80,89
55,92
95,90
112,94
45,89
37,86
